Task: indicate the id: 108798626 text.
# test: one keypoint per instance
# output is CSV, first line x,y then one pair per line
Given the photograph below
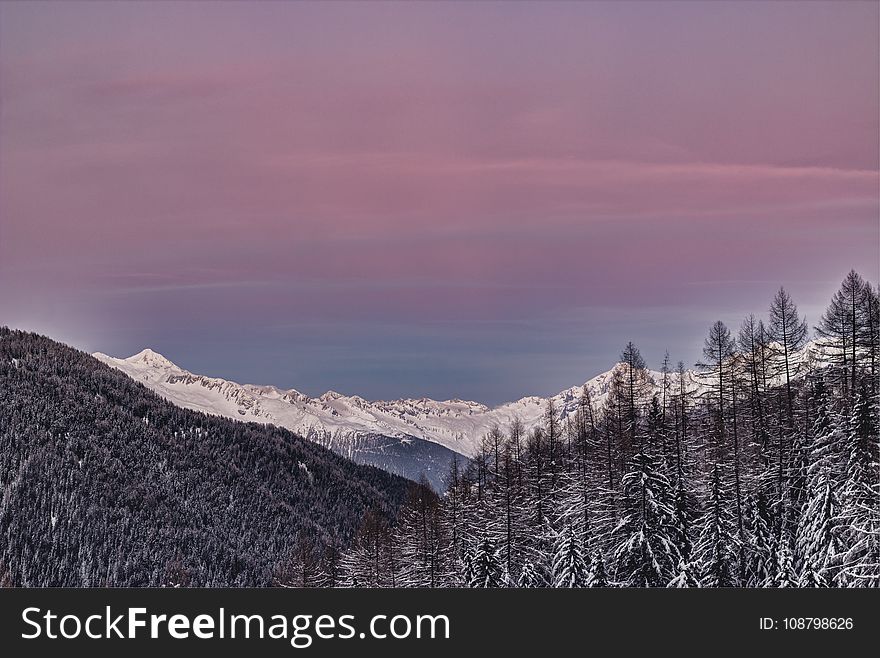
x,y
807,623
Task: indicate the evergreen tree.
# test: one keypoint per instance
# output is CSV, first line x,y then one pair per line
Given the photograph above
x,y
869,337
789,330
755,353
860,451
762,543
655,430
597,577
469,572
826,448
860,496
718,350
647,554
861,563
819,535
718,541
486,566
784,573
635,373
687,575
586,459
570,569
683,517
842,326
529,577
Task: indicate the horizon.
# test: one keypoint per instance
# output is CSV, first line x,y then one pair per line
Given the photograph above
x,y
811,339
449,201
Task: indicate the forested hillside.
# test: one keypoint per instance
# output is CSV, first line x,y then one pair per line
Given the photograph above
x,y
104,483
765,477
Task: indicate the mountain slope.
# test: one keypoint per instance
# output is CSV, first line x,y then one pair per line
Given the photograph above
x,y
346,425
103,482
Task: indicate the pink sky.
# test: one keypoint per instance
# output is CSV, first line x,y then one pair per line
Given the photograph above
x,y
481,200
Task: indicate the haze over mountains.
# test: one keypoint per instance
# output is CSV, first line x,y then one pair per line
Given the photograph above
x,y
407,436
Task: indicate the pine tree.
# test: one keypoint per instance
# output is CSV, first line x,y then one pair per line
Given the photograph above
x,y
635,373
861,457
537,455
861,563
687,575
331,568
681,405
761,543
419,539
785,575
469,572
842,326
812,578
570,569
486,566
597,576
862,443
665,386
860,496
510,502
800,457
655,430
516,434
685,502
647,553
869,337
529,577
753,347
553,447
837,326
718,350
587,447
789,330
718,541
613,443
818,538
450,516
683,517
826,448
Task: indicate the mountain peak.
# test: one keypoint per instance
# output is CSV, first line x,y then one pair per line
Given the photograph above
x,y
151,358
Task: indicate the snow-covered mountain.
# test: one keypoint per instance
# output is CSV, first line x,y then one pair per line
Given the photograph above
x,y
458,425
378,432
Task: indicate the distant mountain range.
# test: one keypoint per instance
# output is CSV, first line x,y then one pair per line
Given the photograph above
x,y
406,436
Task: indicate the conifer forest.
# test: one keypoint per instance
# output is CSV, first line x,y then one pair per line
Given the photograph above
x,y
759,470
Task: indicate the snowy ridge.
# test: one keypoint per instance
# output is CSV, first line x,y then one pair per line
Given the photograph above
x,y
455,424
458,425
